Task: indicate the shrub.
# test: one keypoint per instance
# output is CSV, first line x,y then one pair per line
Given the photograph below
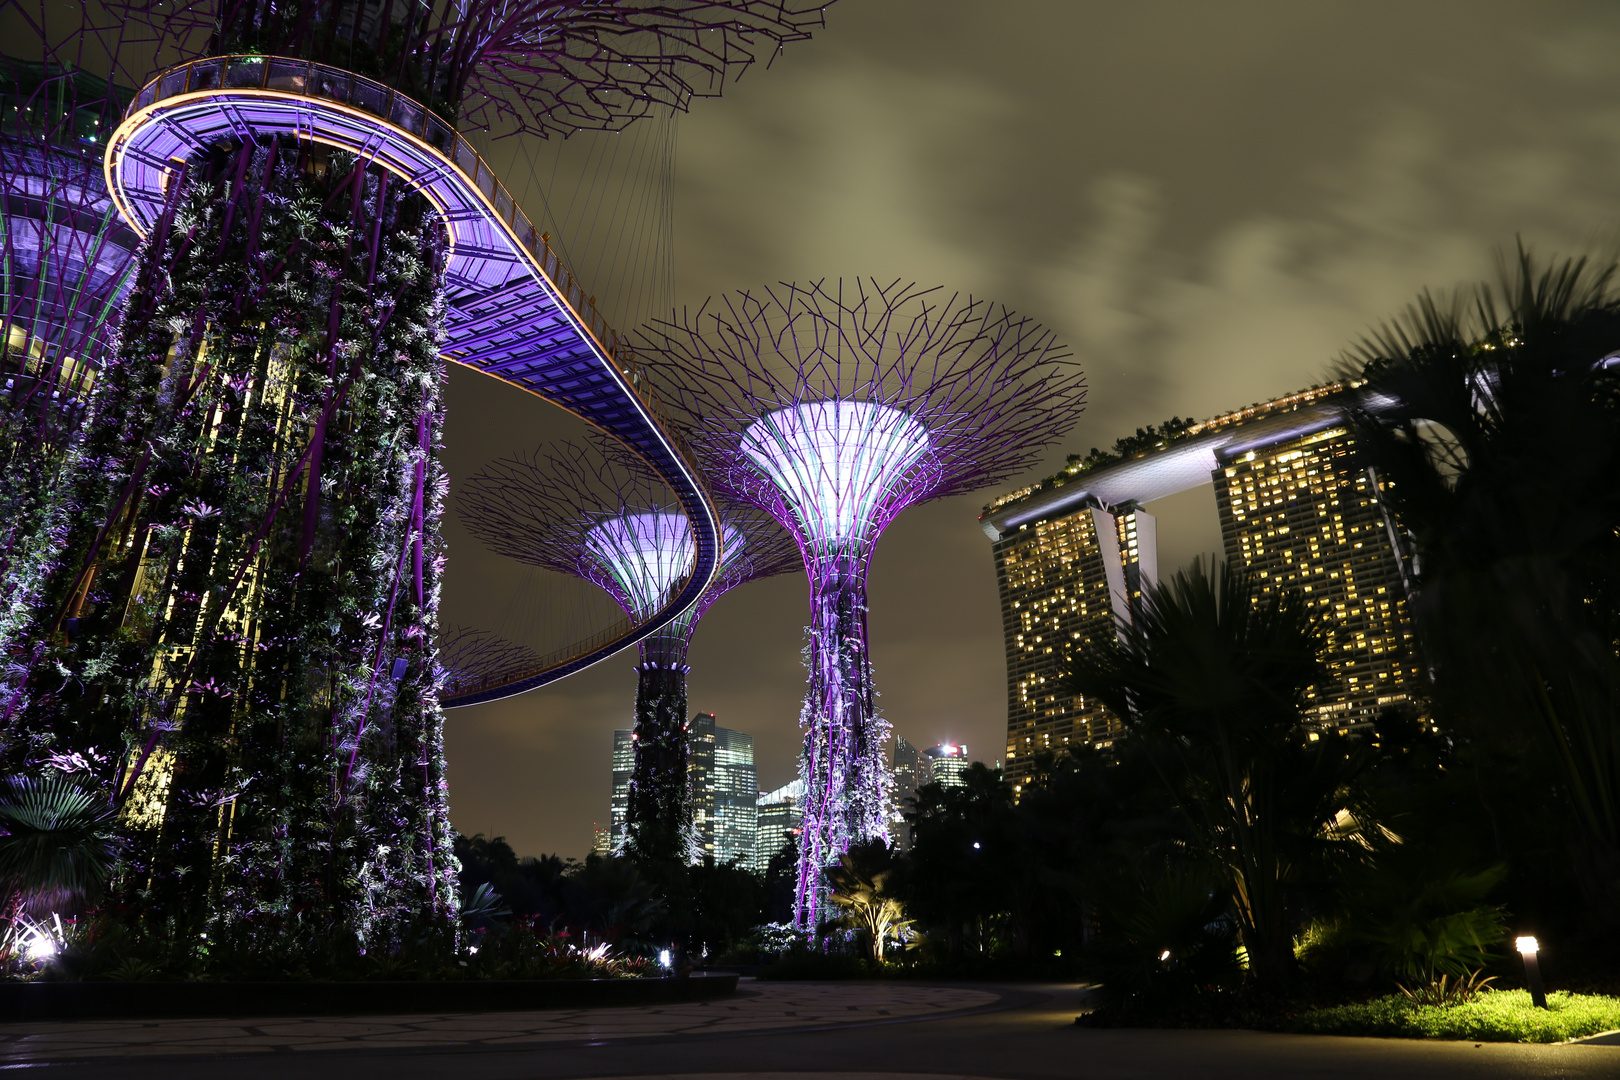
x,y
1493,1016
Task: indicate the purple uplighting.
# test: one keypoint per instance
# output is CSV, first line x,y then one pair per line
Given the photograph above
x,y
833,411
512,310
840,465
646,554
592,510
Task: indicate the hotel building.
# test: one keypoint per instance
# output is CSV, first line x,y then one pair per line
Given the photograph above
x,y
1074,553
1302,515
1065,580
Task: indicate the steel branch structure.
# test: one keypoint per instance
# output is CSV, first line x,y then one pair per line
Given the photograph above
x,y
545,67
591,510
833,407
246,604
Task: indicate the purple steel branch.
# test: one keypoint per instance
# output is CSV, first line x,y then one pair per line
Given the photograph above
x,y
544,67
834,408
592,510
66,254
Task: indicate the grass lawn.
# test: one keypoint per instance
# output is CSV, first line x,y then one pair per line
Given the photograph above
x,y
1494,1016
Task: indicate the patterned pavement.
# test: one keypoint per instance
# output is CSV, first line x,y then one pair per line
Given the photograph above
x,y
757,1008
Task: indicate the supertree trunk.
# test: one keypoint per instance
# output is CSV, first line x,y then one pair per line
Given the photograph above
x,y
251,568
590,509
64,263
846,781
658,819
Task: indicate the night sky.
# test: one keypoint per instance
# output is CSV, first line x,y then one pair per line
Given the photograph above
x,y
1207,201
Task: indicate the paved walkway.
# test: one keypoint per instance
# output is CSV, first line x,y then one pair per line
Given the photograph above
x,y
757,1007
769,1031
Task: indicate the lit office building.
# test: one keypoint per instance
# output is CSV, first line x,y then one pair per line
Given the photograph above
x,y
724,787
778,822
1064,582
912,770
1300,515
624,767
946,764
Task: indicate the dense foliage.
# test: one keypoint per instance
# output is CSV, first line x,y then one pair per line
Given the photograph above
x,y
1503,460
635,906
235,642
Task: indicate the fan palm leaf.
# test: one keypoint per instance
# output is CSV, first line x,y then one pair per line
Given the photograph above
x,y
1502,458
59,843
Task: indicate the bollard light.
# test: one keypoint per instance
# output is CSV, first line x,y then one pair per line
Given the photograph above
x,y
1528,950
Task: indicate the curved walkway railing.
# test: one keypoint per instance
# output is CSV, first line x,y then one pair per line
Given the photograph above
x,y
515,313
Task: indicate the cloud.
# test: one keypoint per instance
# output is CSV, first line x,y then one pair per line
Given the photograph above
x,y
870,181
1267,301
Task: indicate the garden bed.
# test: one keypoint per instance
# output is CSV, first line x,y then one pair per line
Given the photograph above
x,y
1500,1016
102,1000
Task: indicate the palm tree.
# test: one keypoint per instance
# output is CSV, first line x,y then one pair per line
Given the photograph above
x,y
1502,457
860,883
58,845
1209,679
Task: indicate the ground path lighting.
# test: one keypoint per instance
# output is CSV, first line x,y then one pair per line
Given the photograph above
x,y
833,406
592,510
1529,952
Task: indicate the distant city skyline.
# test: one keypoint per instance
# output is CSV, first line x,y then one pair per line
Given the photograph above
x,y
1196,258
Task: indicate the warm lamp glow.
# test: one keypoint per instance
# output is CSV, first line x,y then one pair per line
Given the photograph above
x,y
38,946
1527,945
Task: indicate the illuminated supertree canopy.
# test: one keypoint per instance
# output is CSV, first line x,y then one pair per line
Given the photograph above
x,y
833,407
244,614
590,509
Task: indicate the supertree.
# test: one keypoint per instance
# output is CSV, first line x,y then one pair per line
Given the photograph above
x,y
833,408
64,268
591,510
245,611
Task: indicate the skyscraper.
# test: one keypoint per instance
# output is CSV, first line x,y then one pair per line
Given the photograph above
x,y
911,771
779,820
724,786
1065,580
946,764
624,767
1074,552
1302,515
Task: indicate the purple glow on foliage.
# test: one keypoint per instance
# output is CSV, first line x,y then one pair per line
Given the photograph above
x,y
842,469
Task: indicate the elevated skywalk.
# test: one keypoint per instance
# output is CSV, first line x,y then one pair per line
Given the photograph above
x,y
514,312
